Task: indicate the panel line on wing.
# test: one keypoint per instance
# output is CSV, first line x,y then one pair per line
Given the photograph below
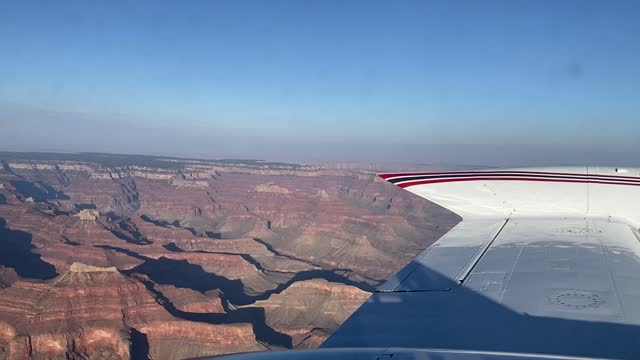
x,y
466,271
444,264
609,261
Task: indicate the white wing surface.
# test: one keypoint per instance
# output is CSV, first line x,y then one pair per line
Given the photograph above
x,y
545,261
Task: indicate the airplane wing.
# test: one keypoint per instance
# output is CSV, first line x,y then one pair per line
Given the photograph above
x,y
545,264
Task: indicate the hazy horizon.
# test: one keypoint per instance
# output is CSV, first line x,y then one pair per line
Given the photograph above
x,y
495,83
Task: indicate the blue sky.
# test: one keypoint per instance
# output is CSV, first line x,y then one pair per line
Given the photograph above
x,y
479,82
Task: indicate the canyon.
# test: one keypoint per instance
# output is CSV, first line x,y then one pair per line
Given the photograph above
x,y
108,256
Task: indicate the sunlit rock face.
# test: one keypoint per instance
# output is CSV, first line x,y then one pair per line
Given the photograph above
x,y
309,310
116,257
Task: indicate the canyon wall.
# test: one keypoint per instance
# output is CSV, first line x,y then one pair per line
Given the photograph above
x,y
117,257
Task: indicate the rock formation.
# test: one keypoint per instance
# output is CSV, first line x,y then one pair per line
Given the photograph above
x,y
136,256
89,215
312,305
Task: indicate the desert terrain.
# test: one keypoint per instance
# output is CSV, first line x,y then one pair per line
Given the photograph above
x,y
122,256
